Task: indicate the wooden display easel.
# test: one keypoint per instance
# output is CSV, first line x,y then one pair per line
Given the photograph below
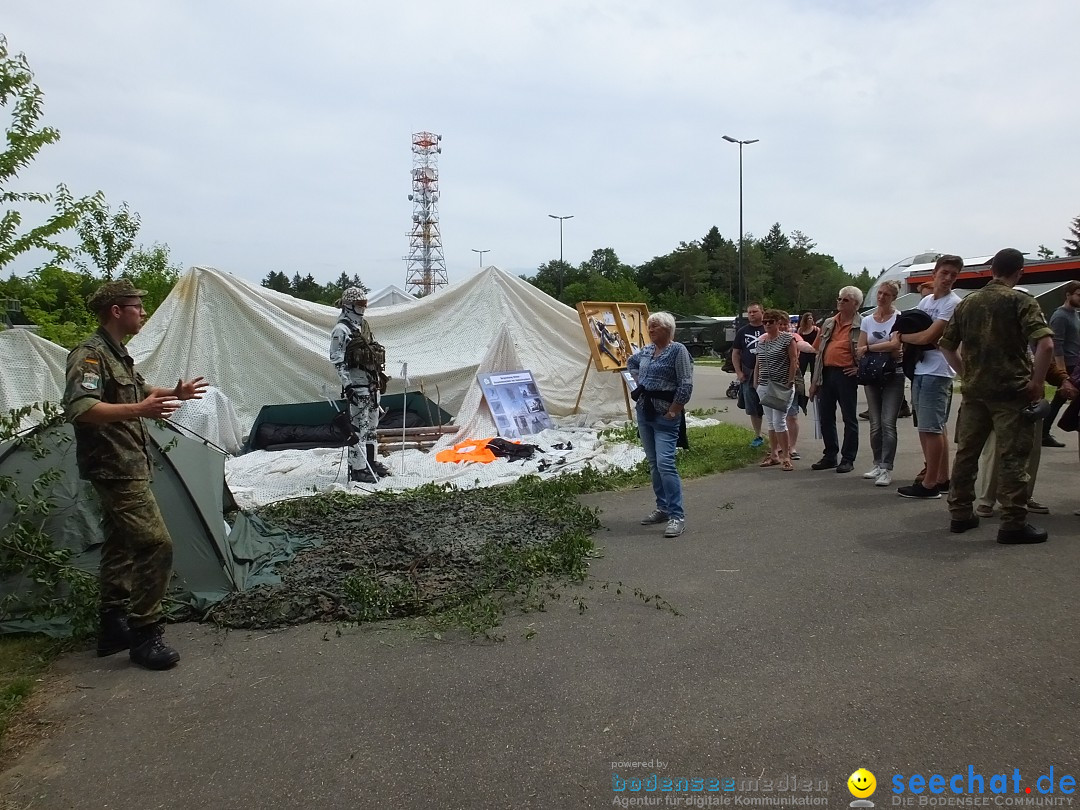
x,y
622,382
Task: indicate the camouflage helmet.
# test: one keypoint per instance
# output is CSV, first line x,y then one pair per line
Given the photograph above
x,y
352,295
110,292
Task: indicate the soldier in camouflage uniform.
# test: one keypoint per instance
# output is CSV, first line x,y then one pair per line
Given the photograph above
x,y
359,361
107,399
987,343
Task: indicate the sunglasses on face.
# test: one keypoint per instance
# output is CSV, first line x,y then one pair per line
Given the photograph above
x,y
767,321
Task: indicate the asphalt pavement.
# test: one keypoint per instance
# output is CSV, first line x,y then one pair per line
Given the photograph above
x,y
809,624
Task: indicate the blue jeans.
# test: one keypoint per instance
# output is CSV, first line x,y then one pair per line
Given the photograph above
x,y
883,402
658,438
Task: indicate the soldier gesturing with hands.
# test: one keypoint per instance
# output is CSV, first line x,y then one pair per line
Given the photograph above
x,y
106,399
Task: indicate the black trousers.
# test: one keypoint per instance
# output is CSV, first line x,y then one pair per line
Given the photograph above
x,y
837,388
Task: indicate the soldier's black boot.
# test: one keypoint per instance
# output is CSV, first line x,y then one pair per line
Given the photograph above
x,y
113,633
148,648
380,470
362,476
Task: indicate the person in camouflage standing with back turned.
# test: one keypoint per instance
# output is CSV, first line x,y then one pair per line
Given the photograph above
x,y
987,343
107,400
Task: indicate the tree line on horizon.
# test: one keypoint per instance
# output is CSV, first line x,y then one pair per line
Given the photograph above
x,y
702,277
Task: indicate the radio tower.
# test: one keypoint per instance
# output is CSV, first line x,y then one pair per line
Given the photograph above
x,y
426,268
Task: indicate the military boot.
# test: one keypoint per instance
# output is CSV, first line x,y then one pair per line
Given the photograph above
x,y
362,476
113,633
148,648
380,470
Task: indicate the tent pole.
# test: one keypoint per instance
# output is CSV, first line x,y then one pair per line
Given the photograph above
x,y
404,402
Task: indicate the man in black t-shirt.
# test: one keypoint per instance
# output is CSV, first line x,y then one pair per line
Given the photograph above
x,y
744,358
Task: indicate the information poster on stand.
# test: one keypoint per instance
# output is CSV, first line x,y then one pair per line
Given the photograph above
x,y
515,403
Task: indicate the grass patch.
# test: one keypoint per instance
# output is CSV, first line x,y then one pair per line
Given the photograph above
x,y
713,449
22,661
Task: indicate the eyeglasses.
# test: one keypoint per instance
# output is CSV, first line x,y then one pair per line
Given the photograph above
x,y
845,299
767,321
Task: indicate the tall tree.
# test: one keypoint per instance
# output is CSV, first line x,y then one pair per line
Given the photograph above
x,y
800,241
105,238
775,242
605,263
688,272
276,280
1072,246
153,270
21,99
712,242
1045,252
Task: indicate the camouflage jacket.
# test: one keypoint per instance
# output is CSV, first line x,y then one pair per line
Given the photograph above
x,y
993,329
101,370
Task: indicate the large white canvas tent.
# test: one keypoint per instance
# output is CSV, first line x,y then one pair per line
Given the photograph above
x,y
260,347
263,347
33,370
388,296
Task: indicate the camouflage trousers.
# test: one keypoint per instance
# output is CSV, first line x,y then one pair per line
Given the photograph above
x,y
136,557
976,420
364,416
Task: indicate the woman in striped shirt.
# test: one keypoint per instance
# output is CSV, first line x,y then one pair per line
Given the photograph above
x,y
777,360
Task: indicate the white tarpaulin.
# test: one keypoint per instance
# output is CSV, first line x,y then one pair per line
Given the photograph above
x,y
262,347
33,370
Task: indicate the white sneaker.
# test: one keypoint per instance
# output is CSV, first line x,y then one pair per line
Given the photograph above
x,y
874,473
884,478
675,527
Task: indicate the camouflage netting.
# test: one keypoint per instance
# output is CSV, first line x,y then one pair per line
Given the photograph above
x,y
430,546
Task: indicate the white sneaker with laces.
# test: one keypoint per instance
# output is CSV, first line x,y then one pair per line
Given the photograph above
x,y
884,478
874,473
675,527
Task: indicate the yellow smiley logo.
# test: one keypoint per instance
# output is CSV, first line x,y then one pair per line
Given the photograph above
x,y
861,783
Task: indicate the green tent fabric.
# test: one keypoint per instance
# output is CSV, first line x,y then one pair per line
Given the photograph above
x,y
209,558
311,414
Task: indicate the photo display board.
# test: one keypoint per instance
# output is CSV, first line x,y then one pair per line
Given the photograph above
x,y
515,403
614,331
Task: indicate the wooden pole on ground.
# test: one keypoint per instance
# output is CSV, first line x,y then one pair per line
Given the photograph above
x,y
581,390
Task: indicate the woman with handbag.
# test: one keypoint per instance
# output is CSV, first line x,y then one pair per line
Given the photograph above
x,y
879,355
799,401
774,374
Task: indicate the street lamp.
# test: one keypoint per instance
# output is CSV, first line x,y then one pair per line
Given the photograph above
x,y
729,139
561,220
481,252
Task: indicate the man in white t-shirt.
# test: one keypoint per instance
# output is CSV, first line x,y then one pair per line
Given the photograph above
x,y
931,388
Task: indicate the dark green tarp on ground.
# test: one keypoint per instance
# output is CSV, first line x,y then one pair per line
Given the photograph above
x,y
209,559
312,414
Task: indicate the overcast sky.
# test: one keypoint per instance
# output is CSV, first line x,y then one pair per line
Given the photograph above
x,y
259,136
